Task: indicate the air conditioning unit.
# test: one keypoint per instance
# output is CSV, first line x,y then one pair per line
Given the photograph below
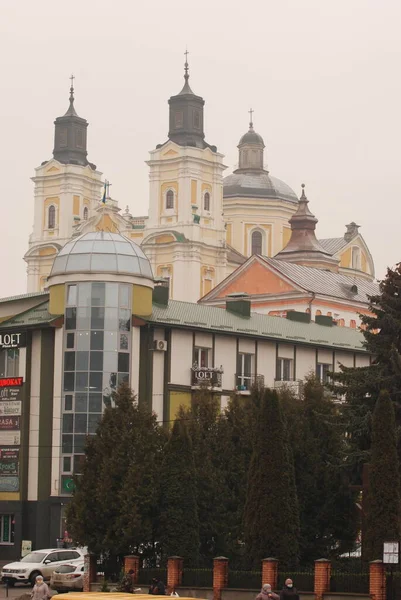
x,y
160,345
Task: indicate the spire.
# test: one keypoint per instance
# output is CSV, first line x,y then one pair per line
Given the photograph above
x,y
70,135
71,110
251,111
186,89
251,147
303,247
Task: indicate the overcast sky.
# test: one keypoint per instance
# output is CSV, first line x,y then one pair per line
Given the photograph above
x,y
322,76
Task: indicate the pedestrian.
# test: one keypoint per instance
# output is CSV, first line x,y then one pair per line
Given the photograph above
x,y
157,588
127,583
266,593
289,592
40,591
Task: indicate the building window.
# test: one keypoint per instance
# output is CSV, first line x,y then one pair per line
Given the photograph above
x,y
256,242
51,217
170,199
318,313
79,138
201,357
206,201
97,360
322,372
196,119
352,324
9,362
86,212
341,323
178,119
284,369
245,377
6,529
356,258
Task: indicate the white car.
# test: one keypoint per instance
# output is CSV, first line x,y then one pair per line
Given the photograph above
x,y
68,577
39,562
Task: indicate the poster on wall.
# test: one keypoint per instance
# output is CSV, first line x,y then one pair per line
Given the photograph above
x,y
9,469
9,423
10,407
11,393
10,438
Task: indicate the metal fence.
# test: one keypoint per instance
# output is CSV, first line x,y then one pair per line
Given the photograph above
x,y
197,578
354,582
145,576
245,580
303,580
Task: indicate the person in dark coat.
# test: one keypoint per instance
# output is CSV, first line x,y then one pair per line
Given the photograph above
x,y
157,588
127,583
289,592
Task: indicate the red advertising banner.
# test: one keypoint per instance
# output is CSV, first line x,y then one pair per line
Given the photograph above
x,y
9,423
11,381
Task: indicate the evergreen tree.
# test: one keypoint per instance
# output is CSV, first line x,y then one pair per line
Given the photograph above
x,y
326,503
271,512
179,523
383,508
362,385
116,495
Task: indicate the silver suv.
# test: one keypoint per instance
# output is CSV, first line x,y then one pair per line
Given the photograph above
x,y
39,562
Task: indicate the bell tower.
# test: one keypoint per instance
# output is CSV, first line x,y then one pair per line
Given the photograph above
x,y
185,234
67,191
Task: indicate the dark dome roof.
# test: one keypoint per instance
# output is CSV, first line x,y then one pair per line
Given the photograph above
x,y
257,185
251,137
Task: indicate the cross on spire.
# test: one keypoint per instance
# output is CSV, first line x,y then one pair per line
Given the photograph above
x,y
72,88
251,111
186,75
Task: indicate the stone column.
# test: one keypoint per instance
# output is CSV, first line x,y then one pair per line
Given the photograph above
x,y
174,573
89,571
322,577
270,572
131,562
220,576
377,580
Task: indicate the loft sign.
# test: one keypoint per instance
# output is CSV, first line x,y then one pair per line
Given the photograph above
x,y
12,340
206,376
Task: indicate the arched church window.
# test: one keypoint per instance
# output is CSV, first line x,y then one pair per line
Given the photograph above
x,y
256,242
85,215
51,217
170,199
206,201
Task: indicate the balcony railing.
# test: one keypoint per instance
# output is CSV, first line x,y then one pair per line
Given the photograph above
x,y
245,382
294,386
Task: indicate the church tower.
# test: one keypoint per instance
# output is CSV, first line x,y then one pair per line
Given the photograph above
x,y
67,192
185,233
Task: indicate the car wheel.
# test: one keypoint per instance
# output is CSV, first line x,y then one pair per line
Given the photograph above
x,y
32,577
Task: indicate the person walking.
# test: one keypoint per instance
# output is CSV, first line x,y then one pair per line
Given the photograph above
x,y
289,592
266,593
40,591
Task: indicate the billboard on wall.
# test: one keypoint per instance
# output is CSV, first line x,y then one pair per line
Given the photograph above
x,y
9,469
10,423
10,438
10,407
10,393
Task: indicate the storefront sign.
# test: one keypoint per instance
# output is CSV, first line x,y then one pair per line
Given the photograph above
x,y
10,407
11,393
9,484
9,423
26,547
11,382
206,376
10,438
9,462
12,340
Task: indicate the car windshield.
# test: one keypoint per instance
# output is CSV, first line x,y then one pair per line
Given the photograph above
x,y
34,557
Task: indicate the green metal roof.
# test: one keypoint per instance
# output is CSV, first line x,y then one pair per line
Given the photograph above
x,y
213,318
38,315
23,296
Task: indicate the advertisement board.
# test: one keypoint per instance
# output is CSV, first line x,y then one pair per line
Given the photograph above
x,y
10,438
10,423
12,339
11,393
10,407
9,469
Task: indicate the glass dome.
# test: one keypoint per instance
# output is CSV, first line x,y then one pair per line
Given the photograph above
x,y
102,252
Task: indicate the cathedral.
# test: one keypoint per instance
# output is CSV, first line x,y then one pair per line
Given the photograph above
x,y
202,227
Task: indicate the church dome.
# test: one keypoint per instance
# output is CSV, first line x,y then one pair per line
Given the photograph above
x,y
102,252
257,185
251,137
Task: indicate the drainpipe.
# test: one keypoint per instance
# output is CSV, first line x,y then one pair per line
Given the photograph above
x,y
313,295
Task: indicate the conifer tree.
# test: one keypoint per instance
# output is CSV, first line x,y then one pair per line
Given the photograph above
x,y
179,523
383,508
271,511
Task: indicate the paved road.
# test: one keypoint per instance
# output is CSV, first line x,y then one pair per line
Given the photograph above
x,y
16,591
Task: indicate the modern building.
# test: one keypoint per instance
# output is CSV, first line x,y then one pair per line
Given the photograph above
x,y
104,321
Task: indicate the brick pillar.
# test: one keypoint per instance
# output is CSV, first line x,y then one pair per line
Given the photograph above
x,y
174,573
270,572
322,577
377,580
220,576
132,562
89,571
